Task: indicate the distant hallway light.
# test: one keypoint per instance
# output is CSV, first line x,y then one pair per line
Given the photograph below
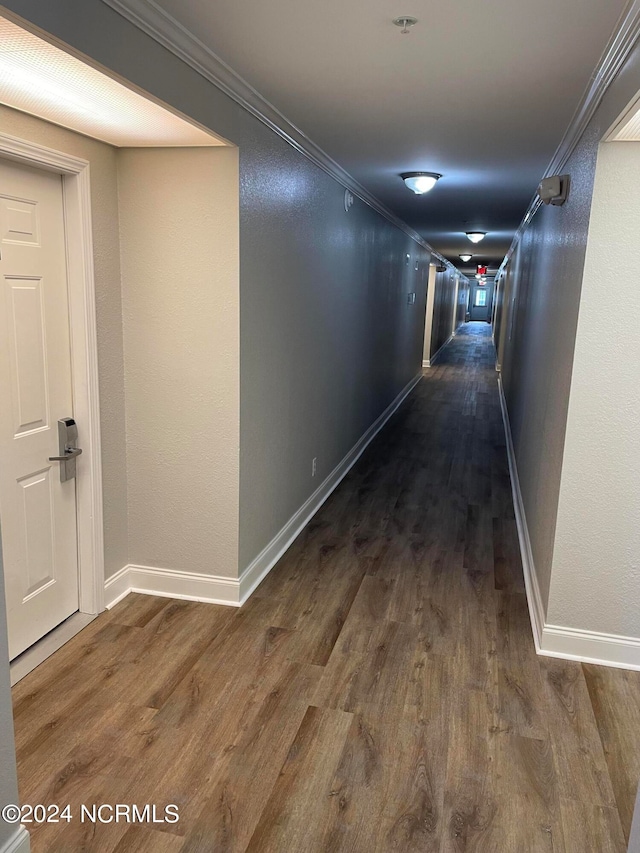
x,y
420,182
465,258
476,236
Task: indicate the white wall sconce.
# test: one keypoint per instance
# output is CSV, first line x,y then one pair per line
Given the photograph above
x,y
476,236
554,190
420,182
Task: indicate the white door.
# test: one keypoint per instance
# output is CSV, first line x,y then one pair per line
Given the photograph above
x,y
37,511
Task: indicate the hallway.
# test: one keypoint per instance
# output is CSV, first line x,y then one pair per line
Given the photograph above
x,y
380,691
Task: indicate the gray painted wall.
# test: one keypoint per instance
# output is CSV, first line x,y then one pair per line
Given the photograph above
x,y
538,328
443,309
327,337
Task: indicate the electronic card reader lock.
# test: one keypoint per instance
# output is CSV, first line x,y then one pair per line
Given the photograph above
x,y
67,438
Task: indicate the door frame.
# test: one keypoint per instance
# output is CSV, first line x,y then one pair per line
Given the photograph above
x,y
76,195
454,324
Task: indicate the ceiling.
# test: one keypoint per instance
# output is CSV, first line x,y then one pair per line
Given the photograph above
x,y
41,79
479,91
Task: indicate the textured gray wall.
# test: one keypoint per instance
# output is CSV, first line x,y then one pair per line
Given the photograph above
x,y
328,339
443,309
539,328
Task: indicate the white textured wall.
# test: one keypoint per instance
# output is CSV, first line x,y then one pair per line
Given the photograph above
x,y
595,581
104,214
179,258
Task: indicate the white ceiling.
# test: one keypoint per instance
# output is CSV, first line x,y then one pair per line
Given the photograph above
x,y
480,90
38,78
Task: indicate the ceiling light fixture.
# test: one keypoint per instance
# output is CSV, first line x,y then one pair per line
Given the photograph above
x,y
41,79
476,236
466,257
405,21
420,182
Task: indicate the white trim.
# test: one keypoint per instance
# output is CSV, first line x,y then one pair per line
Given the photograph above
x,y
611,62
235,591
591,647
20,843
555,640
84,355
147,16
431,361
189,586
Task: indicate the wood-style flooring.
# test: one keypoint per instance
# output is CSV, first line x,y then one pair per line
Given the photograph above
x,y
379,692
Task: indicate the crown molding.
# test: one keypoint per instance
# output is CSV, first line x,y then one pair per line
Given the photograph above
x,y
611,62
163,28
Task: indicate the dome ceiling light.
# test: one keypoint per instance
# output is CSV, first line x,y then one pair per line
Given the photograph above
x,y
420,182
476,236
465,258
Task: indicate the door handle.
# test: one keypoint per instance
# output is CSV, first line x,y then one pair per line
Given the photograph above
x,y
69,453
67,437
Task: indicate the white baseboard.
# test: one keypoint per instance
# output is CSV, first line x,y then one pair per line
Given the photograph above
x,y
591,647
555,640
189,586
19,843
233,591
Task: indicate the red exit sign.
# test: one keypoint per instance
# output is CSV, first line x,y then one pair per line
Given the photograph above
x,y
482,270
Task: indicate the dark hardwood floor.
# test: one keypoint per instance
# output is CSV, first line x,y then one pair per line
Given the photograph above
x,y
379,692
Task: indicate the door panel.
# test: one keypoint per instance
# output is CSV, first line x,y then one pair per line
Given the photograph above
x,y
25,337
37,511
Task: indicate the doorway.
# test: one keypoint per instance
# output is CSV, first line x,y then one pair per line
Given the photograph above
x,y
51,525
38,510
480,301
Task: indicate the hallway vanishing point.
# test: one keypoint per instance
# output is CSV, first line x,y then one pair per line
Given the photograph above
x,y
379,692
